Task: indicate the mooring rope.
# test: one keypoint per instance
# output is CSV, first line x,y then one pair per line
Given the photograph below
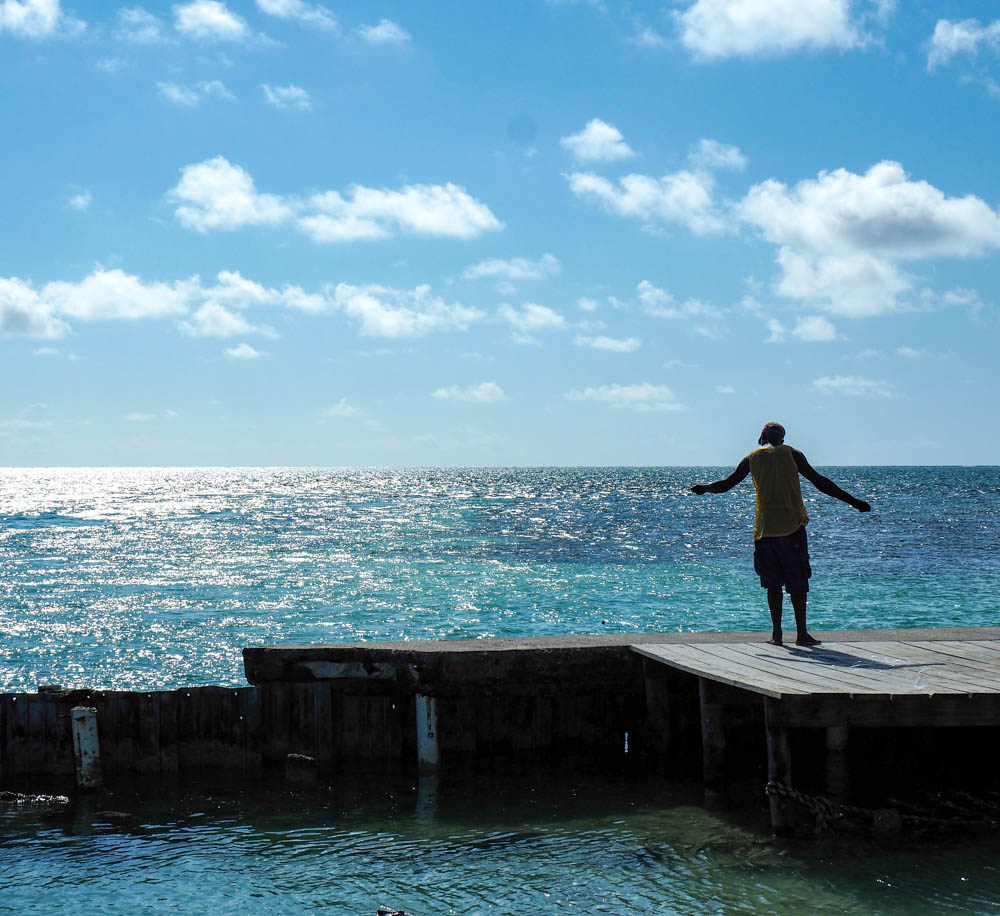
x,y
828,811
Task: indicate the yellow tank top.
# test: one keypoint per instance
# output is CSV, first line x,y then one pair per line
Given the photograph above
x,y
779,498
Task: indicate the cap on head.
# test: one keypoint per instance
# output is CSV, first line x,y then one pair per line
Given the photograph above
x,y
772,434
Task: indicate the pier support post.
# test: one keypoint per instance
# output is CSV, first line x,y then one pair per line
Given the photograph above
x,y
779,766
836,761
428,751
86,748
713,743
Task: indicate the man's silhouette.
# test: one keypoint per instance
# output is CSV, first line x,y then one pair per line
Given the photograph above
x,y
780,548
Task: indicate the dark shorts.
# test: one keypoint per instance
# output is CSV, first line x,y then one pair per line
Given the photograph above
x,y
783,561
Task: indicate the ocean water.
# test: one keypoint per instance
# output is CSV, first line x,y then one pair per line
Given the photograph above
x,y
145,577
158,577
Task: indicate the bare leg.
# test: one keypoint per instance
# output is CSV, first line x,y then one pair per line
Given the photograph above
x,y
802,637
774,606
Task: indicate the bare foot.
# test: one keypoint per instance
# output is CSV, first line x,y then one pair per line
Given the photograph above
x,y
775,641
807,640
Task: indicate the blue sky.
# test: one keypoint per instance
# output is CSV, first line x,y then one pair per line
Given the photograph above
x,y
274,232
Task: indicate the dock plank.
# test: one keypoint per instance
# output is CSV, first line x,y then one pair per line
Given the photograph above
x,y
882,668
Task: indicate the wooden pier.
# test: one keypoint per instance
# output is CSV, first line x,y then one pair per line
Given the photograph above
x,y
836,686
726,705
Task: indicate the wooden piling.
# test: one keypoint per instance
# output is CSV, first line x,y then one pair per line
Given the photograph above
x,y
779,765
713,743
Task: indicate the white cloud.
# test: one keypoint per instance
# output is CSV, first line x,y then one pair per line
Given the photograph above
x,y
385,312
80,201
659,303
909,352
242,351
137,417
725,389
531,317
515,268
777,332
587,305
711,154
611,344
209,20
36,19
215,194
714,29
289,98
23,313
641,397
598,141
853,386
371,213
682,197
814,328
191,96
114,294
215,320
139,26
842,236
648,38
45,351
342,409
386,32
961,38
308,14
483,393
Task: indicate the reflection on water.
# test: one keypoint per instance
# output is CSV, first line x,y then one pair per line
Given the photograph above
x,y
482,845
145,577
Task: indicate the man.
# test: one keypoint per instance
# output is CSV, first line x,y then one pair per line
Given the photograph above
x,y
780,549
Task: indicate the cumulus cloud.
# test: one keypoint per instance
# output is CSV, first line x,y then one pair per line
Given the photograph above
x,y
515,268
611,344
852,386
215,194
646,37
138,417
683,197
342,409
36,19
715,29
381,311
483,393
598,142
386,32
190,96
23,313
842,237
725,389
139,26
242,351
711,154
289,98
963,38
814,328
531,317
114,294
642,397
80,201
909,352
371,213
209,20
308,14
215,320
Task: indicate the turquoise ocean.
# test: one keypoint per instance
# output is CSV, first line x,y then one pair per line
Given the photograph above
x,y
144,577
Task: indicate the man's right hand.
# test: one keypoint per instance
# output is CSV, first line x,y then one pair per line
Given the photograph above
x,y
699,489
862,506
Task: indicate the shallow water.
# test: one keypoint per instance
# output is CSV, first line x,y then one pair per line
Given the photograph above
x,y
158,577
620,846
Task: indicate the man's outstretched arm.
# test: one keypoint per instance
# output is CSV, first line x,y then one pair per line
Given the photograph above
x,y
825,485
727,483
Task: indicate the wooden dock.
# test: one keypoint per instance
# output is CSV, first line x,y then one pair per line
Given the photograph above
x,y
837,686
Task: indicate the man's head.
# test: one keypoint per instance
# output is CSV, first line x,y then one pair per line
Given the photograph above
x,y
772,434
